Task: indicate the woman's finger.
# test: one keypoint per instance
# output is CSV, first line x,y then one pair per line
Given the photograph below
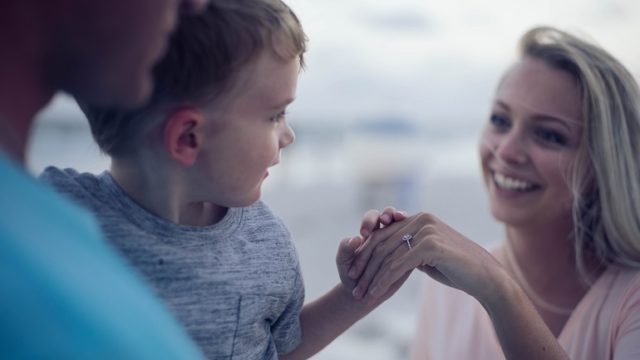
x,y
381,254
394,270
364,252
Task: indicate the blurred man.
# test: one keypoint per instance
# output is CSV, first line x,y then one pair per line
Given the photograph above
x,y
65,294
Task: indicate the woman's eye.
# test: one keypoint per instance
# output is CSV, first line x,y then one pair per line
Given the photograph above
x,y
500,122
551,136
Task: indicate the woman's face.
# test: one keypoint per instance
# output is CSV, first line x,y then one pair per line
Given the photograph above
x,y
529,143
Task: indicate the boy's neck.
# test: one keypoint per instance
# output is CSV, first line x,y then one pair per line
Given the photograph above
x,y
162,195
201,214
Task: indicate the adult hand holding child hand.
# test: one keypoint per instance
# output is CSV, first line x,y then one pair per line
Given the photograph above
x,y
436,248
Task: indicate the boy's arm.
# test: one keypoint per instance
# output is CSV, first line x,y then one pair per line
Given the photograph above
x,y
333,313
330,315
325,319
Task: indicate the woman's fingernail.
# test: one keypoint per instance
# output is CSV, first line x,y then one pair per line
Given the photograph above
x,y
385,218
356,293
373,291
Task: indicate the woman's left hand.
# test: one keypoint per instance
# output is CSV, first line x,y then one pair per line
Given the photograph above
x,y
434,247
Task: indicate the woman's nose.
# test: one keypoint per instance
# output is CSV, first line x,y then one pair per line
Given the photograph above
x,y
511,148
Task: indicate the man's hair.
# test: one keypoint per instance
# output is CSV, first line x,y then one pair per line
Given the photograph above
x,y
204,57
605,178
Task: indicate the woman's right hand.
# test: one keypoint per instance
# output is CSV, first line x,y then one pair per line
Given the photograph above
x,y
436,248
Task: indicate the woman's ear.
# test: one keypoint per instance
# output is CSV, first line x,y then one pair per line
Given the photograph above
x,y
181,135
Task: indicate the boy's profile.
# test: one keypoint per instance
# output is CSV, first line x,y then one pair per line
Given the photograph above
x,y
181,200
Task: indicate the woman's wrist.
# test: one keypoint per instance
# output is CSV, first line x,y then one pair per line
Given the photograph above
x,y
502,291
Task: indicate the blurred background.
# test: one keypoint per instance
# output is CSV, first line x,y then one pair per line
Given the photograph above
x,y
389,111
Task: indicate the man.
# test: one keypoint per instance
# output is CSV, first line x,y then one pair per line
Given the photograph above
x,y
65,294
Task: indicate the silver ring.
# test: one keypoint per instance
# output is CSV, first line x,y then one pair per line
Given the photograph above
x,y
407,239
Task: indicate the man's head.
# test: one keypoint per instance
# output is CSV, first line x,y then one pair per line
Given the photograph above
x,y
203,67
102,51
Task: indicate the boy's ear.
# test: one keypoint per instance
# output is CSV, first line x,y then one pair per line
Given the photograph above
x,y
182,135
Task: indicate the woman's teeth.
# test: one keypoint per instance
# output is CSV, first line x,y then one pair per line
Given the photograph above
x,y
509,183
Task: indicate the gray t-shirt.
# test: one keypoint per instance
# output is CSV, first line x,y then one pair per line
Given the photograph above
x,y
236,286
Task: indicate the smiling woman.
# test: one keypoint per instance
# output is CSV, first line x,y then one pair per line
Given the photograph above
x,y
531,139
559,158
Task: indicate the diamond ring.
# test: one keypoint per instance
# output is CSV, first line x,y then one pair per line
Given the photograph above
x,y
407,239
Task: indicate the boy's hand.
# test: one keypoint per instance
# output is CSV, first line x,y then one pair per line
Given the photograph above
x,y
374,220
344,259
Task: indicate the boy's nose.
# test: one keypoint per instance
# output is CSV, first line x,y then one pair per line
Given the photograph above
x,y
287,137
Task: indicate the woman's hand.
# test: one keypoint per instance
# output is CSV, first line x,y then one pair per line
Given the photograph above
x,y
436,248
451,258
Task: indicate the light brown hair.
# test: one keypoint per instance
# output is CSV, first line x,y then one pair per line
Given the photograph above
x,y
205,54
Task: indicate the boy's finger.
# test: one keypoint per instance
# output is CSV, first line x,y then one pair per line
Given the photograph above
x,y
387,215
370,222
347,249
400,215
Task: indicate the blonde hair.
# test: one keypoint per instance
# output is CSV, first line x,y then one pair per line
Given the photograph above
x,y
605,178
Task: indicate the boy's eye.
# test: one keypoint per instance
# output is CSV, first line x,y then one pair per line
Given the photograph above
x,y
499,122
279,116
551,136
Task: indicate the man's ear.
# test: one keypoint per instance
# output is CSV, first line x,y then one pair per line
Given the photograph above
x,y
182,135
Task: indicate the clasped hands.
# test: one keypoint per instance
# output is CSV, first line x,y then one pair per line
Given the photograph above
x,y
376,263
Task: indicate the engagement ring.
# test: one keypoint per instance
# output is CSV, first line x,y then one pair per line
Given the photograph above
x,y
407,239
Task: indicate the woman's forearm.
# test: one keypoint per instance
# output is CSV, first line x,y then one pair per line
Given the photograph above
x,y
521,331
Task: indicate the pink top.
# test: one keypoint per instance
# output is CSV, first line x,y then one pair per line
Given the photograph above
x,y
604,325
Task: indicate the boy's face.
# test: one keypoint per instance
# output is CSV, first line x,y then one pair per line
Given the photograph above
x,y
242,141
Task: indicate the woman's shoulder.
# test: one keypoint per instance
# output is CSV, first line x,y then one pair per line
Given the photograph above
x,y
626,284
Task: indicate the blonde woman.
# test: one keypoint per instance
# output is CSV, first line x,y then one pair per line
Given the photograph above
x,y
560,159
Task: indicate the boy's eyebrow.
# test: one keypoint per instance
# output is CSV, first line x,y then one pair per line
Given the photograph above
x,y
284,103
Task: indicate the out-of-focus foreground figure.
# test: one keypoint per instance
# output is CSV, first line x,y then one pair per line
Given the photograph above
x,y
65,294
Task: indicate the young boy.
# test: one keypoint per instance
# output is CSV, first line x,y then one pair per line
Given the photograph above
x,y
181,200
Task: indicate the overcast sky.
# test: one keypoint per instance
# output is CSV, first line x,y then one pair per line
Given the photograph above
x,y
434,61
431,62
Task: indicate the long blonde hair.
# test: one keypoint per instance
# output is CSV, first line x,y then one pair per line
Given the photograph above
x,y
605,178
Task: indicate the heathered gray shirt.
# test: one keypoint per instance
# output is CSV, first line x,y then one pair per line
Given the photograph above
x,y
236,285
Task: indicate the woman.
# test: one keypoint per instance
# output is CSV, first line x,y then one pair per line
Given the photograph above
x,y
560,159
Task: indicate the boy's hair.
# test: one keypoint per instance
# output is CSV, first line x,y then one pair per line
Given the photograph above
x,y
204,57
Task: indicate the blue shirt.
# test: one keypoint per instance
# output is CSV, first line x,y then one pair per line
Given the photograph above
x,y
64,293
